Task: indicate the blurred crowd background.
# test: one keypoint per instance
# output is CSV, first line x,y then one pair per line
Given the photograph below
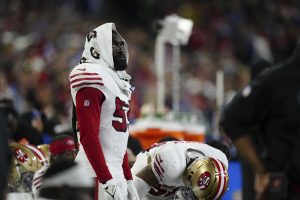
x,y
41,41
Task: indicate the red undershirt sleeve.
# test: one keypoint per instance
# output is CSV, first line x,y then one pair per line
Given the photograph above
x,y
88,108
126,168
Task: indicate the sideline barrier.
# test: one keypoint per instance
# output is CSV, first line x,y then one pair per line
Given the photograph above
x,y
150,131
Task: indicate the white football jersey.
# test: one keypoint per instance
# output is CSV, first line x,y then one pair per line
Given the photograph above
x,y
114,121
37,180
19,196
97,71
169,161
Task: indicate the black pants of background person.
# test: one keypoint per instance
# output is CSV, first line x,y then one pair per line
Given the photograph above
x,y
248,176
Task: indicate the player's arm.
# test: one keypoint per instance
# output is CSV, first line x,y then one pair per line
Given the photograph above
x,y
126,167
131,188
88,109
165,168
148,176
144,180
245,111
241,115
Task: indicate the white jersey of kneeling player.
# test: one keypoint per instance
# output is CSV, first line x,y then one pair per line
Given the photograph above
x,y
169,161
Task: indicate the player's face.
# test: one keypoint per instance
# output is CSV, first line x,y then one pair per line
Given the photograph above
x,y
118,47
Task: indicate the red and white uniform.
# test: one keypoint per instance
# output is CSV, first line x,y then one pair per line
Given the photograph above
x,y
19,196
169,161
38,180
101,96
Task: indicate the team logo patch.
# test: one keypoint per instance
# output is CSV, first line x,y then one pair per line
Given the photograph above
x,y
82,60
204,180
92,34
86,103
21,155
94,53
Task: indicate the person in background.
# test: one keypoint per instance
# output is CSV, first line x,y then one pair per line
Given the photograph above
x,y
131,157
65,180
248,175
101,91
10,115
134,145
29,128
271,103
61,147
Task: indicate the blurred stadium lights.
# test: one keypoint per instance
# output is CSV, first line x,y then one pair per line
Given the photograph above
x,y
176,31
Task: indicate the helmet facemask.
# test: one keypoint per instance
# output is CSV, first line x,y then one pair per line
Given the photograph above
x,y
207,178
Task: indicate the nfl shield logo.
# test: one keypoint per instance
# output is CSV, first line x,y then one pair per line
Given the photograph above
x,y
86,103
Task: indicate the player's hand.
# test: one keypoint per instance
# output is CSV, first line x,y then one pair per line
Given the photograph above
x,y
261,183
132,192
112,190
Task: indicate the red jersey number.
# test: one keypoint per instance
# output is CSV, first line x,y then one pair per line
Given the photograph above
x,y
121,107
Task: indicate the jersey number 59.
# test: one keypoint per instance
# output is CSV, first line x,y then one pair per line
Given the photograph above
x,y
121,107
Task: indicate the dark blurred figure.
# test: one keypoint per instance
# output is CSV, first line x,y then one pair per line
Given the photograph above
x,y
5,155
29,129
221,146
134,145
270,105
8,123
10,115
61,182
248,175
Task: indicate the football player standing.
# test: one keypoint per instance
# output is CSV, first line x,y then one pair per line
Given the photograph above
x,y
101,92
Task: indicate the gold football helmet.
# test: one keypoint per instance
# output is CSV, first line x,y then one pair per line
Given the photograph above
x,y
45,150
25,162
207,178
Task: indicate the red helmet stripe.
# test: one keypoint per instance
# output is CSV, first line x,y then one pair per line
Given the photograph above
x,y
38,153
221,182
222,177
225,177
